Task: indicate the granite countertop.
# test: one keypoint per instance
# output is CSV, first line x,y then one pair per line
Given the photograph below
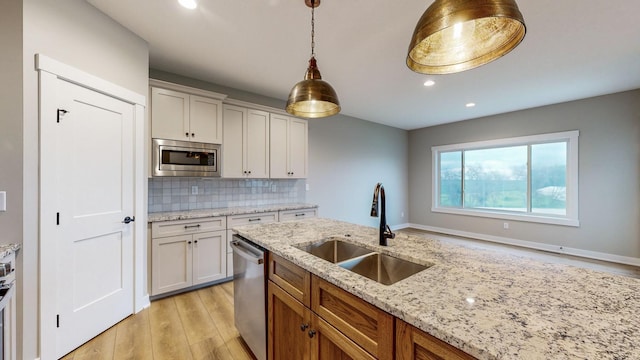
x,y
8,249
490,305
240,210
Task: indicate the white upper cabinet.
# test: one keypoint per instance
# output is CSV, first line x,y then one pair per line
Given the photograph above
x,y
289,147
245,151
180,116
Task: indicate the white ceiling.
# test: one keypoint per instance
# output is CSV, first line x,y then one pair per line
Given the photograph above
x,y
573,49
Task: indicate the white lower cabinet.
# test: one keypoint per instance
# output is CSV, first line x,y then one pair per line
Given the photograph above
x,y
193,258
186,253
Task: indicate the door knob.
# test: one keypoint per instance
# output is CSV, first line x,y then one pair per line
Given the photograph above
x,y
128,220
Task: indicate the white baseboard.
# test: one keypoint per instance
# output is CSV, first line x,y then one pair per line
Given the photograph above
x,y
626,260
144,303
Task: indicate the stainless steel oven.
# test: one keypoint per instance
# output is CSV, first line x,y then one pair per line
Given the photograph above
x,y
185,158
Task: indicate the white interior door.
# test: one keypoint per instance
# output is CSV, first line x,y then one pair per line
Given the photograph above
x,y
95,181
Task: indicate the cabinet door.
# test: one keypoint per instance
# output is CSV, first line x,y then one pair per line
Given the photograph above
x,y
289,323
367,325
233,119
169,114
278,147
414,344
328,343
209,256
298,152
256,144
171,263
205,120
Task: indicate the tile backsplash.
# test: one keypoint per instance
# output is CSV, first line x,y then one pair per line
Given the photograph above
x,y
174,193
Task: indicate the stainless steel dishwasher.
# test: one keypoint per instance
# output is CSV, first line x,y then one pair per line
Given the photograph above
x,y
249,294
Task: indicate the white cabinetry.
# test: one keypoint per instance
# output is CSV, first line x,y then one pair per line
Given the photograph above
x,y
187,252
299,214
245,152
180,116
288,147
245,219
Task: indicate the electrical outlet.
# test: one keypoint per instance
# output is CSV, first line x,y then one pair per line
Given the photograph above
x,y
402,214
3,201
274,188
307,187
505,226
194,190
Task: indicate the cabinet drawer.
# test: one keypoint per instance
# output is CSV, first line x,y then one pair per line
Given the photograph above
x,y
292,278
362,322
413,343
298,214
247,219
181,227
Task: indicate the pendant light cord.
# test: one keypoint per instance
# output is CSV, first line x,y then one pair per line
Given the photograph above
x,y
313,32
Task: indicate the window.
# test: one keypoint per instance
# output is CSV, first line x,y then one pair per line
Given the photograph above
x,y
531,178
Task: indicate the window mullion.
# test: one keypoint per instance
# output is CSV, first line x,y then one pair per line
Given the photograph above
x,y
462,176
529,194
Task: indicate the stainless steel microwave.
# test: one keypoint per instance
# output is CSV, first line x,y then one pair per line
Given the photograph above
x,y
185,158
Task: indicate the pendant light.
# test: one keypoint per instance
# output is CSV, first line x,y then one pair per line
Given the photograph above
x,y
313,97
457,35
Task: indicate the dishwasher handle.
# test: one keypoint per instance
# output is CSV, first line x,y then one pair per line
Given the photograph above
x,y
242,251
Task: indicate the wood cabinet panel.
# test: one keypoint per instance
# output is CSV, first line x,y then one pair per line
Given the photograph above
x,y
331,344
413,343
288,325
367,325
292,278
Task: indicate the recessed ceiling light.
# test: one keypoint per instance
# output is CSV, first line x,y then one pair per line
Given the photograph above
x,y
189,4
470,105
429,83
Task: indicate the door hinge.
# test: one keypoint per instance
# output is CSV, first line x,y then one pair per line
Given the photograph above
x,y
57,218
58,320
61,112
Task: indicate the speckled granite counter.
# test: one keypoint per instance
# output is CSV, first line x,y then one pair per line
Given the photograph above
x,y
492,306
8,249
203,213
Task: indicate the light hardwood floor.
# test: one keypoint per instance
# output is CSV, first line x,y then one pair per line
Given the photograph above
x,y
193,325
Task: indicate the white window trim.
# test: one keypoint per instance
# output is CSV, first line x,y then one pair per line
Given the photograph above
x,y
570,219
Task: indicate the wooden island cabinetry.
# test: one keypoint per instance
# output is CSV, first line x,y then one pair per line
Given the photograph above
x,y
294,330
310,318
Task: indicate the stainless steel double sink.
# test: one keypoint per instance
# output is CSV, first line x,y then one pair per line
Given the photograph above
x,y
385,269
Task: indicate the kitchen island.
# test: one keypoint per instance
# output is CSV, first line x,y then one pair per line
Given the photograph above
x,y
489,305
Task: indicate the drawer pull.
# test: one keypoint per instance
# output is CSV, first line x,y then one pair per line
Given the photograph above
x,y
256,219
191,226
300,214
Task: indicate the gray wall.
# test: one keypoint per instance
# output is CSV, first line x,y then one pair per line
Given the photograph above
x,y
609,172
77,34
347,157
11,119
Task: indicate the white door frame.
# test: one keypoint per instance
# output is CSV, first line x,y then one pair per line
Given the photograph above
x,y
50,71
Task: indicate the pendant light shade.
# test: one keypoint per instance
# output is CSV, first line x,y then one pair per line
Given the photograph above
x,y
313,97
457,35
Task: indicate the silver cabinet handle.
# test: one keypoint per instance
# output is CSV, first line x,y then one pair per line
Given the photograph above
x,y
255,219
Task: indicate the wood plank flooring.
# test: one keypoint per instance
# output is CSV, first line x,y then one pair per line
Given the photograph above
x,y
194,325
